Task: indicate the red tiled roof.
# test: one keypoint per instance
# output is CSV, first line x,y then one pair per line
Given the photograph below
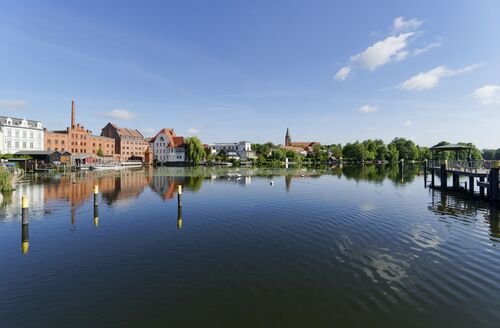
x,y
168,132
178,142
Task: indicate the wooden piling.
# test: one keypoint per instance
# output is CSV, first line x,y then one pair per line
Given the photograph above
x,y
432,179
179,217
444,177
25,219
494,190
471,185
179,196
456,181
24,224
481,188
96,195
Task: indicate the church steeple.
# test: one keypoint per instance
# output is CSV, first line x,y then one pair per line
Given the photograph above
x,y
288,139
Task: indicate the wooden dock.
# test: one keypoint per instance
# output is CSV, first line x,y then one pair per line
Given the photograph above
x,y
481,174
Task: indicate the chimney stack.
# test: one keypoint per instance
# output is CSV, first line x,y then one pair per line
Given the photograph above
x,y
73,113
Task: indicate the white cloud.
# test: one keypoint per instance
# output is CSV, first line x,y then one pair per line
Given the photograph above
x,y
150,131
368,109
420,51
488,94
192,131
430,79
382,52
343,73
392,48
121,114
408,123
12,104
400,24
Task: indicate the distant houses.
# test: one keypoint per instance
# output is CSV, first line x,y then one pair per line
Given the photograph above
x,y
301,147
236,151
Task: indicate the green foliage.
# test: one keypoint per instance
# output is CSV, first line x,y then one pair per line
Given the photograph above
x,y
5,181
491,154
406,148
99,152
194,150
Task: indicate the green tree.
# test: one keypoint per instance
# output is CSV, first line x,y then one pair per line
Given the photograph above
x,y
194,150
99,152
406,148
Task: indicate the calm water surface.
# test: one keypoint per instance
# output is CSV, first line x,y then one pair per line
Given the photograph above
x,y
352,247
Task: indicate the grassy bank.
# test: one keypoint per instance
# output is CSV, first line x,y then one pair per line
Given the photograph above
x,y
6,181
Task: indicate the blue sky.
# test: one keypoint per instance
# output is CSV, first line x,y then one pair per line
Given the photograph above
x,y
331,71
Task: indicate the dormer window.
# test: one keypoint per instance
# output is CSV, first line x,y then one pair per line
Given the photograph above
x,y
24,122
9,121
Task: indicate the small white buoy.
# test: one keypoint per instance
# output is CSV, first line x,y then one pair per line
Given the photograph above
x,y
271,183
302,175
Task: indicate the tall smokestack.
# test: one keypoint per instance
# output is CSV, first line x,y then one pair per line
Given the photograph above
x,y
72,113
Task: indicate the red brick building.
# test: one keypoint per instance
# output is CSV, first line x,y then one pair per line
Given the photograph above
x,y
77,140
129,143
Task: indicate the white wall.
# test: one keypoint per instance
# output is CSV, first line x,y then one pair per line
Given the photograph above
x,y
21,137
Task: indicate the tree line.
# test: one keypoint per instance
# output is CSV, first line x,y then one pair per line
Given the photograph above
x,y
363,151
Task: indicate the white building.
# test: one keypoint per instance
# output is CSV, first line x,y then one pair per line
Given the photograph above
x,y
239,150
167,147
20,134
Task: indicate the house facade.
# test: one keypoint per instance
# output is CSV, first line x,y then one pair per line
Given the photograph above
x,y
78,140
167,148
20,135
129,143
238,150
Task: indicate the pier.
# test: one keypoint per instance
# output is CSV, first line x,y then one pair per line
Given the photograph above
x,y
466,174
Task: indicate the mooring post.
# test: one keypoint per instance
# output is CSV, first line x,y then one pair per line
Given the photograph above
x,y
24,225
179,196
471,185
179,217
456,181
425,173
481,188
494,190
432,178
444,176
96,205
96,195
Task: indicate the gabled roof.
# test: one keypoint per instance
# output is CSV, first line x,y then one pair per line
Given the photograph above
x,y
126,131
168,132
177,142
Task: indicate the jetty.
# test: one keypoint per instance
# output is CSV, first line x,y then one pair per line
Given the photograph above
x,y
476,177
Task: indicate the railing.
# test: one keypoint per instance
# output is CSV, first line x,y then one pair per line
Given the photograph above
x,y
461,165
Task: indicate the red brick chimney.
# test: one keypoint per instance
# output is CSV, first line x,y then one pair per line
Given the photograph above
x,y
73,114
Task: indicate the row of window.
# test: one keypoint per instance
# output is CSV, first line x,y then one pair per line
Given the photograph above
x,y
24,144
24,134
164,158
170,150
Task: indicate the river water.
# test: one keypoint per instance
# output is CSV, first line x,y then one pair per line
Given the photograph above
x,y
357,247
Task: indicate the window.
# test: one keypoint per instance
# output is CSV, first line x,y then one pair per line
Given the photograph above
x,y
31,135
17,144
24,134
9,133
24,144
17,134
49,141
62,142
9,144
31,145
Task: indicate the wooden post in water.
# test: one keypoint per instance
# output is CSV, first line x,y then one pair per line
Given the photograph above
x,y
494,190
179,196
471,185
24,225
444,176
96,195
96,205
481,188
179,217
432,178
456,181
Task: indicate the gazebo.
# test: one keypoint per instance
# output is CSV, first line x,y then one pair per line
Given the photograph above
x,y
451,147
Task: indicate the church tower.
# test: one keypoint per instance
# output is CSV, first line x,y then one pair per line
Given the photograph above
x,y
288,139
